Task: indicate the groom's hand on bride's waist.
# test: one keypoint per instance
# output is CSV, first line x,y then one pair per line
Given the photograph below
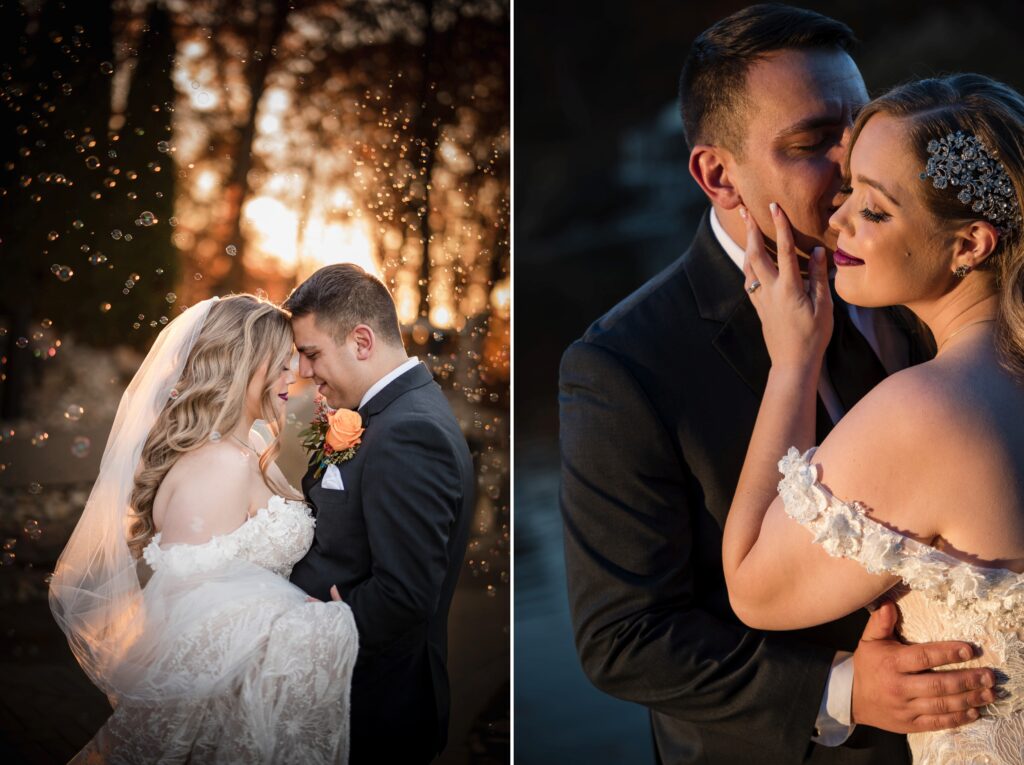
x,y
895,687
335,595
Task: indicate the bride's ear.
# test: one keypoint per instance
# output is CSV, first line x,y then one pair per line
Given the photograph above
x,y
973,244
710,167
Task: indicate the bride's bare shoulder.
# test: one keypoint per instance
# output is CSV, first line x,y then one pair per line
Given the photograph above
x,y
212,481
888,448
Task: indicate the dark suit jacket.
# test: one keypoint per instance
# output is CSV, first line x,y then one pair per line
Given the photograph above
x,y
658,402
393,541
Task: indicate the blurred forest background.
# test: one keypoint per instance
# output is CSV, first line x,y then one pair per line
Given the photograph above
x,y
603,202
158,152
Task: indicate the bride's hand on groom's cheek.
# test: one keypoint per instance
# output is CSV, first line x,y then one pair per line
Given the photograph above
x,y
796,319
335,595
896,689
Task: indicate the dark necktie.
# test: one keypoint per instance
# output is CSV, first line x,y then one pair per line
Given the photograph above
x,y
853,367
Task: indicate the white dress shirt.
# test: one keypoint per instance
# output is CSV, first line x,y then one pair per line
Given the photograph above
x,y
834,725
383,382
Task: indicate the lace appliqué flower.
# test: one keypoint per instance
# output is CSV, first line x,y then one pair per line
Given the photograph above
x,y
846,530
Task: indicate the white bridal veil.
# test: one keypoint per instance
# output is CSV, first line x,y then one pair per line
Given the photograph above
x,y
95,593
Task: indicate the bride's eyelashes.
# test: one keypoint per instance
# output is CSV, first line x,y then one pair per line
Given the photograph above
x,y
874,217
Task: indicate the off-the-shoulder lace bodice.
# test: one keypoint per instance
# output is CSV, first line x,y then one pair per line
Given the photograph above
x,y
940,598
275,537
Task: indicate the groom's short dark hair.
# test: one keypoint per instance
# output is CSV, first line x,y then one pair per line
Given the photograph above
x,y
342,296
712,88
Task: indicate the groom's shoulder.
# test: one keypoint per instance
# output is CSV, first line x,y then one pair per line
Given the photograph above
x,y
653,313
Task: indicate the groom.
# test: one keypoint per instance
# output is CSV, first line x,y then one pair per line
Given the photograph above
x,y
658,401
392,522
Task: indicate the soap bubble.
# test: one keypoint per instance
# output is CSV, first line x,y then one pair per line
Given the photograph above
x,y
80,446
106,67
231,250
46,323
163,147
92,162
35,488
170,297
32,529
64,273
21,342
146,219
40,438
52,236
79,225
116,233
104,307
74,412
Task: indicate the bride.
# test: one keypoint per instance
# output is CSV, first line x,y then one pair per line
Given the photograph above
x,y
918,493
173,589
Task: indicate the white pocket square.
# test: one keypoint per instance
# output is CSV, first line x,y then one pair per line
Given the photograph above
x,y
332,479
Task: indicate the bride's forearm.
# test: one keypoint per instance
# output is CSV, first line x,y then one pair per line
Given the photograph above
x,y
786,418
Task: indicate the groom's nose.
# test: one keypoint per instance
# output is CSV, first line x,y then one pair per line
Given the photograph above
x,y
305,368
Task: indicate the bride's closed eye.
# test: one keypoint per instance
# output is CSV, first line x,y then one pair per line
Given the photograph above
x,y
874,217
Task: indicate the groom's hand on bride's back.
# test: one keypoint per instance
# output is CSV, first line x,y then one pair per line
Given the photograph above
x,y
896,687
335,595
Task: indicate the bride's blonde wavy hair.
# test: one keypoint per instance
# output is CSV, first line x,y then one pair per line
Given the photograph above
x,y
241,334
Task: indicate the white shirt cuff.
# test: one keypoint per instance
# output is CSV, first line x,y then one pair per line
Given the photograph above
x,y
834,724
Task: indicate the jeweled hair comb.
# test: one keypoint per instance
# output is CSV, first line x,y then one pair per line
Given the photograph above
x,y
962,160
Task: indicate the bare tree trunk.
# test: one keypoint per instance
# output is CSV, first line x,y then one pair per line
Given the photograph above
x,y
237,188
426,130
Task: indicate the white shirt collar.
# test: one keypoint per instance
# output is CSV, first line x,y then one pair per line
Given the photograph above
x,y
736,253
383,382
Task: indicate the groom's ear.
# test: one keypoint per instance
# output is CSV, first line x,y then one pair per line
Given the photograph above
x,y
709,166
364,340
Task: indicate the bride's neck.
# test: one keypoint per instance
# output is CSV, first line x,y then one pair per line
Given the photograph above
x,y
242,431
971,302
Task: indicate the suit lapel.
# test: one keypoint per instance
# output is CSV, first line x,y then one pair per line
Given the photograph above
x,y
718,290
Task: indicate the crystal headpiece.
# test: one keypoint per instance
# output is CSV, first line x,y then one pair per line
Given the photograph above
x,y
962,160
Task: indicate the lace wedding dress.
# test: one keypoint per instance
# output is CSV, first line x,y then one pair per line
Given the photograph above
x,y
231,664
940,598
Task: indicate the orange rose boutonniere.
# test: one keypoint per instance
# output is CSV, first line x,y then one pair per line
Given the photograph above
x,y
333,435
